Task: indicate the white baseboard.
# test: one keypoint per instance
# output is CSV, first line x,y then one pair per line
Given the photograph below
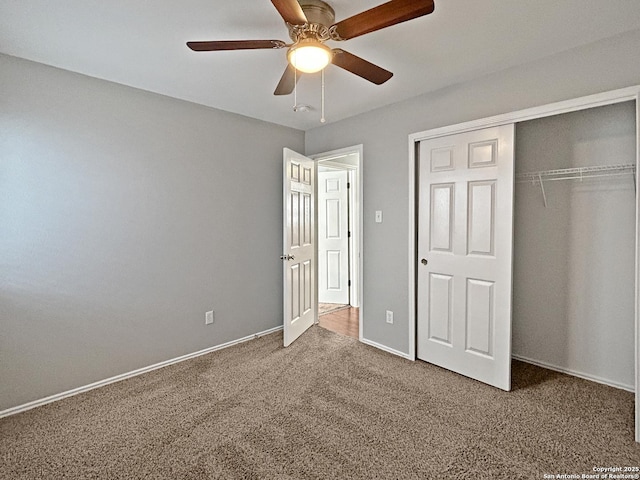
x,y
386,349
134,373
575,373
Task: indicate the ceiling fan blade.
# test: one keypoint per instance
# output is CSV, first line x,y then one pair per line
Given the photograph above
x,y
288,81
382,16
291,11
360,67
234,45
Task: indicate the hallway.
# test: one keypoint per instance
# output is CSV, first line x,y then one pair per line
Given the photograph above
x,y
343,321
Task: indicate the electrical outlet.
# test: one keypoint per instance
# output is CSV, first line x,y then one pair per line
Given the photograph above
x,y
389,316
208,318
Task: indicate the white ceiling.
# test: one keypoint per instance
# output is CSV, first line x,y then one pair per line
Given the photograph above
x,y
141,43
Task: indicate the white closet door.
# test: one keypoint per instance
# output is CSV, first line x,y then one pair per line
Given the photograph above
x,y
465,243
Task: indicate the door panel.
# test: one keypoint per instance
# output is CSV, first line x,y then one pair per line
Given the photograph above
x,y
333,270
479,324
440,308
294,220
465,242
442,216
333,237
294,275
298,235
481,217
332,219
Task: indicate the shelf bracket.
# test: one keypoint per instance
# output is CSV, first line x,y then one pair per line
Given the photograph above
x,y
544,195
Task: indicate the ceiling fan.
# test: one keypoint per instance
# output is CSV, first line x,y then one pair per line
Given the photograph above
x,y
311,24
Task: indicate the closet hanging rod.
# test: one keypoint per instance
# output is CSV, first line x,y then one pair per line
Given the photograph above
x,y
577,173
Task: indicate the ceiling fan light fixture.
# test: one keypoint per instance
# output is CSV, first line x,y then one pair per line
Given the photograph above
x,y
309,55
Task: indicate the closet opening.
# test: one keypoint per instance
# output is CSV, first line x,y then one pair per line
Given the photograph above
x,y
574,244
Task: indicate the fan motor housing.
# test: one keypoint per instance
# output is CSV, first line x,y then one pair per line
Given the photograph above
x,y
318,12
320,18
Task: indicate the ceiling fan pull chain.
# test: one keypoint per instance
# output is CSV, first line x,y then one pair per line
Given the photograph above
x,y
295,89
322,119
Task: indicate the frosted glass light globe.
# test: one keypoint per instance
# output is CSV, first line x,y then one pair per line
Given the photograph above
x,y
309,56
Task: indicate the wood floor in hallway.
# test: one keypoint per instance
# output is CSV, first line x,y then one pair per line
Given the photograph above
x,y
343,321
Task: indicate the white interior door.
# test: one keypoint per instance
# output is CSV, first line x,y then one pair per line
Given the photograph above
x,y
333,237
465,243
299,249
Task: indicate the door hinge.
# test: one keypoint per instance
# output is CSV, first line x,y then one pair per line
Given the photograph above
x,y
348,234
348,184
349,283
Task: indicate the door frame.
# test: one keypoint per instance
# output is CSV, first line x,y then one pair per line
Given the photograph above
x,y
357,234
548,110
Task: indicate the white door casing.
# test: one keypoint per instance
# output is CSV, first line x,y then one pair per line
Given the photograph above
x,y
465,243
299,249
333,238
356,169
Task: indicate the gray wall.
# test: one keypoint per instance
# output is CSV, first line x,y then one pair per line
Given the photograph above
x,y
574,261
124,216
601,66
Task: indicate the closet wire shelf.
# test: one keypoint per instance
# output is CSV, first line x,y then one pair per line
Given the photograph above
x,y
577,173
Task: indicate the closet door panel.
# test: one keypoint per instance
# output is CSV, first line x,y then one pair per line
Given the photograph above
x,y
481,229
440,308
442,201
479,318
465,233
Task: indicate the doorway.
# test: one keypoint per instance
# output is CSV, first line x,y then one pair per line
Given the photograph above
x,y
339,240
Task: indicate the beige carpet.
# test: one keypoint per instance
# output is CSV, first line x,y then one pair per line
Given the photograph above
x,y
327,407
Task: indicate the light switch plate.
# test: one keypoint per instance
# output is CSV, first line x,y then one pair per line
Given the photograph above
x,y
378,216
